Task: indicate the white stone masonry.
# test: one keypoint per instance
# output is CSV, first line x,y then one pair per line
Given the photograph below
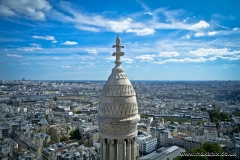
x,y
118,114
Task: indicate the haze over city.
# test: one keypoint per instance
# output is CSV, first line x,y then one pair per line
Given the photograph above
x,y
164,40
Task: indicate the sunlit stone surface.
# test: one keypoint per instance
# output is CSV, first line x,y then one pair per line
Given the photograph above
x,y
118,114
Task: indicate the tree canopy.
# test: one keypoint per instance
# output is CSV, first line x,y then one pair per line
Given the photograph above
x,y
63,139
144,116
216,116
205,148
75,134
77,112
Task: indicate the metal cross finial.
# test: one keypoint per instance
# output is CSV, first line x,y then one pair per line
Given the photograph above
x,y
118,52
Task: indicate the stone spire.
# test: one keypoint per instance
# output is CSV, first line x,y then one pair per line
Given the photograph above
x,y
118,114
118,52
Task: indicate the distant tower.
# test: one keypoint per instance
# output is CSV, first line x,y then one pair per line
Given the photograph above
x,y
118,114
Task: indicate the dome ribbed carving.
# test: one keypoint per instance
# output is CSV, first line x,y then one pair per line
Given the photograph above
x,y
118,108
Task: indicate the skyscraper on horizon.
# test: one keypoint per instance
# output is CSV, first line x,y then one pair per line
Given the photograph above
x,y
118,114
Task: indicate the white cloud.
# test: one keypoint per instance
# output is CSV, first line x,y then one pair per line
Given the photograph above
x,y
56,58
212,33
141,32
147,57
30,49
184,60
145,31
54,41
90,65
186,37
51,38
91,51
212,58
66,66
120,26
214,51
127,60
235,29
126,26
228,65
148,13
86,28
124,59
200,25
233,58
14,55
199,34
32,9
95,22
197,60
70,43
185,20
168,54
85,57
6,11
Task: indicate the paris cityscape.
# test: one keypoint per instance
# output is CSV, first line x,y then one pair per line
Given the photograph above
x,y
42,118
119,80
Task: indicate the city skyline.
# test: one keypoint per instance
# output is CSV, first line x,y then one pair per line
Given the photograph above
x,y
50,40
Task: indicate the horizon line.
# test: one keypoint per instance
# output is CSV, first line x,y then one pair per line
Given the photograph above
x,y
104,80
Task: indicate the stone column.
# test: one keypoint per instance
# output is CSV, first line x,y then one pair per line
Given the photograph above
x,y
120,149
111,149
124,150
104,151
128,150
133,154
101,149
116,149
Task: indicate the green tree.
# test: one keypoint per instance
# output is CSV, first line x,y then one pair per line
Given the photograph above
x,y
173,120
236,113
144,116
212,147
195,151
207,147
216,116
77,112
64,138
224,117
75,134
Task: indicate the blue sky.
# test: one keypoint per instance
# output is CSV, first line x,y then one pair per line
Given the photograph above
x,y
164,40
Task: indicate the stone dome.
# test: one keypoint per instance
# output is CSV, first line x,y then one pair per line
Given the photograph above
x,y
118,109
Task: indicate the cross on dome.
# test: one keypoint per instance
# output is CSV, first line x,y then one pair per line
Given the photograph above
x,y
118,52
